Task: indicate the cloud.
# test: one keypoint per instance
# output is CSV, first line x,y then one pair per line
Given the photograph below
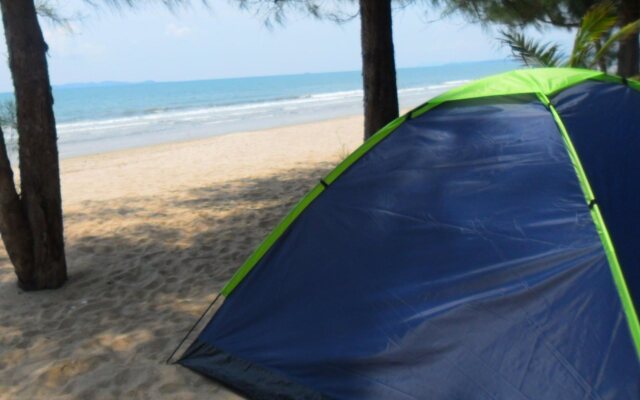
x,y
177,31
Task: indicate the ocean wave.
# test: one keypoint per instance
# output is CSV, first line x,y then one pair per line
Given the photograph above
x,y
456,83
336,95
167,118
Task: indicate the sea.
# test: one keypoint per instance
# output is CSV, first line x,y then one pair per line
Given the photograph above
x,y
101,117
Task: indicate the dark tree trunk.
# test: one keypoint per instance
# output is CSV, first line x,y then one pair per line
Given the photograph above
x,y
602,62
39,170
378,65
629,52
14,226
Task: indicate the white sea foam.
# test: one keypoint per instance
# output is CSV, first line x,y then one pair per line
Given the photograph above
x,y
159,125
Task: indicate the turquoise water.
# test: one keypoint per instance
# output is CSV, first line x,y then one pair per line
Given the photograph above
x,y
93,119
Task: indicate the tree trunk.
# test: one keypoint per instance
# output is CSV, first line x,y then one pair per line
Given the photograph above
x,y
629,51
38,151
602,61
14,226
378,65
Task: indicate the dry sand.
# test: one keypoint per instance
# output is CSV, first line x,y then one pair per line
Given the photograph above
x,y
151,235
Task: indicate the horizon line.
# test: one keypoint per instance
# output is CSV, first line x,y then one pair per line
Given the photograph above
x,y
70,85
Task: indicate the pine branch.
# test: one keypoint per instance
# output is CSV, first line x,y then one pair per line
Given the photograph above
x,y
531,52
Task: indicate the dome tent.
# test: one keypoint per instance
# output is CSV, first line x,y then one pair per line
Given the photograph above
x,y
481,246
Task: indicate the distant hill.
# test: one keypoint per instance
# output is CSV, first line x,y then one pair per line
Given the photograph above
x,y
74,85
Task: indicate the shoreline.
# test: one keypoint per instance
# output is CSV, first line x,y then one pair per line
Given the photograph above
x,y
207,138
163,166
132,116
79,149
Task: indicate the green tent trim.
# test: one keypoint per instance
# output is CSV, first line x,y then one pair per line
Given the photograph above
x,y
598,220
542,82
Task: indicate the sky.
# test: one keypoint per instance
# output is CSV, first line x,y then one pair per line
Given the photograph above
x,y
221,41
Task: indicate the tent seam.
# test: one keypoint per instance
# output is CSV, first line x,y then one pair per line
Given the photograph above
x,y
605,239
270,240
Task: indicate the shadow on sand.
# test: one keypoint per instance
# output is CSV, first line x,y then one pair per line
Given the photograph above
x,y
141,272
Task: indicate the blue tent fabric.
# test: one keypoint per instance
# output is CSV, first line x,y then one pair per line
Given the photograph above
x,y
603,120
457,259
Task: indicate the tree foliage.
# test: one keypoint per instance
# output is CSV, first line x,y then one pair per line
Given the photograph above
x,y
519,13
595,37
530,52
516,14
276,11
118,4
47,10
338,11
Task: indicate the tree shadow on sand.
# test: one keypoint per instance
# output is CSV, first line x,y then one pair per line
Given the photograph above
x,y
141,272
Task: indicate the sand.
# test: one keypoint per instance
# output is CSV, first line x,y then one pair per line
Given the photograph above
x,y
152,235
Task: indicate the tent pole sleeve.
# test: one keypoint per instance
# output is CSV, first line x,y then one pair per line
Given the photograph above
x,y
616,270
306,200
482,88
271,239
632,83
365,147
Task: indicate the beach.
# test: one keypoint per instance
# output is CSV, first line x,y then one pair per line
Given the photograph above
x,y
152,234
196,214
110,116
